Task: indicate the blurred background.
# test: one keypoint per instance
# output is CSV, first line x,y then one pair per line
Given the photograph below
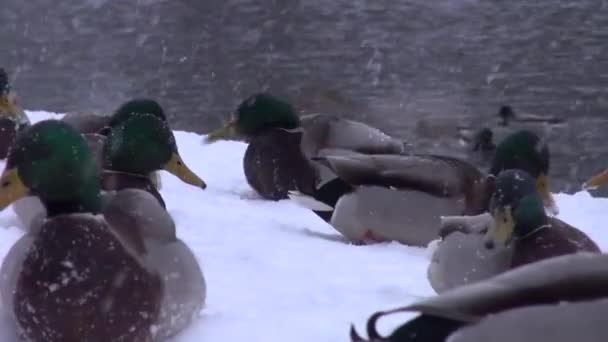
x,y
416,69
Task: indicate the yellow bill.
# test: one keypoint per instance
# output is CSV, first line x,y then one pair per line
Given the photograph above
x,y
177,167
543,188
227,132
500,232
596,181
11,188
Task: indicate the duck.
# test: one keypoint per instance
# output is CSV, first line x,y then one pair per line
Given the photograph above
x,y
12,117
96,126
517,233
370,199
281,144
137,146
517,305
102,266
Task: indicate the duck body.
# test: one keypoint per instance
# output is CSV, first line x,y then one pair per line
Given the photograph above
x,y
274,164
397,197
463,258
69,279
279,161
542,292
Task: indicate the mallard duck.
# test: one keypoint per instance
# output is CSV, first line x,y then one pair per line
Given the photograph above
x,y
281,144
518,233
518,305
12,117
134,148
100,267
371,198
93,125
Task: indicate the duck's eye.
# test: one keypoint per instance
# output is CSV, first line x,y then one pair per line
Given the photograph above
x,y
179,163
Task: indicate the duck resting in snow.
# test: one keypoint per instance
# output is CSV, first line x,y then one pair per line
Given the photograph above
x,y
281,144
129,278
376,198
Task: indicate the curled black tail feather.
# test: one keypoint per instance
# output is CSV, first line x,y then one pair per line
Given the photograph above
x,y
424,328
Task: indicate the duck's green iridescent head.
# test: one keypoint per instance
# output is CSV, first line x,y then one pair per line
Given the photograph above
x,y
52,161
143,143
255,115
524,150
516,206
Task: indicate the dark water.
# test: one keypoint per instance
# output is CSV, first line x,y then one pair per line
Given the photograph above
x,y
413,68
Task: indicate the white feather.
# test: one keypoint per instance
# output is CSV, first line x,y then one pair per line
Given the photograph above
x,y
308,201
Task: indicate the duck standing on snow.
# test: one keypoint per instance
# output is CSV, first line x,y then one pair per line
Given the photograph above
x,y
12,117
401,198
137,144
100,267
282,144
559,299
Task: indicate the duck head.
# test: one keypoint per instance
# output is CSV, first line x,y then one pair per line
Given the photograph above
x,y
525,150
255,115
52,161
516,207
141,143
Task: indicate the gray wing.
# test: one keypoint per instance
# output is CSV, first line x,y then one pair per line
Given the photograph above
x,y
9,273
183,281
462,259
575,277
86,123
580,322
439,176
134,211
327,131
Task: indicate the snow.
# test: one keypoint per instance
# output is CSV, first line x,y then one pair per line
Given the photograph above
x,y
276,272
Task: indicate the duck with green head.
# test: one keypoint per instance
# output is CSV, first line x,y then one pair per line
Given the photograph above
x,y
96,127
517,232
371,198
131,278
281,145
134,148
12,118
524,304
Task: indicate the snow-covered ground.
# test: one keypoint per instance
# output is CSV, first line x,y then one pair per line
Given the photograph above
x,y
275,272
